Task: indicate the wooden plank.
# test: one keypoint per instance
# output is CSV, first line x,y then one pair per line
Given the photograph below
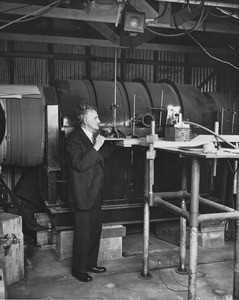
x,y
53,39
231,4
14,257
106,31
206,138
143,6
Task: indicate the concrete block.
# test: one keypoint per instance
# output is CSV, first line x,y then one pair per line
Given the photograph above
x,y
214,239
211,234
169,231
110,231
3,294
12,261
110,243
64,244
110,248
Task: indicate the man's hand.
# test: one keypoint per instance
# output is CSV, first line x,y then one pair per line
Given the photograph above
x,y
99,141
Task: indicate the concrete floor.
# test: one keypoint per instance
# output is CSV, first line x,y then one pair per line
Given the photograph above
x,y
48,278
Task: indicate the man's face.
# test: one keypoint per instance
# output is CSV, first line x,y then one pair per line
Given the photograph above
x,y
92,121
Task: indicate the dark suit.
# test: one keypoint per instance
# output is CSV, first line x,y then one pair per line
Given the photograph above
x,y
85,183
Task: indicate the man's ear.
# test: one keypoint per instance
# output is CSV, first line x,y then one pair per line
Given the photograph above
x,y
85,121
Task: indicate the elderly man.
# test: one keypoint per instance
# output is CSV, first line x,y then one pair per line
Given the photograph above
x,y
85,156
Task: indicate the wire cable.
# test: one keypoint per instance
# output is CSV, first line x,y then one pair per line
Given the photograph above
x,y
198,23
32,13
209,54
212,132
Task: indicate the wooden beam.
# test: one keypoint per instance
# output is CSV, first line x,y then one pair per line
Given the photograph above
x,y
106,31
98,13
107,14
134,42
143,6
232,4
102,43
210,27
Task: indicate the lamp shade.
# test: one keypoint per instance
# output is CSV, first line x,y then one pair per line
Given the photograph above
x,y
134,22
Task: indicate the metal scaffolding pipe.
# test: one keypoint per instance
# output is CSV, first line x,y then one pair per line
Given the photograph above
x,y
171,195
232,215
183,225
213,204
177,210
183,240
216,205
145,268
236,247
193,222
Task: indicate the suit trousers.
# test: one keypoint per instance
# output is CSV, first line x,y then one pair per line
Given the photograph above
x,y
87,233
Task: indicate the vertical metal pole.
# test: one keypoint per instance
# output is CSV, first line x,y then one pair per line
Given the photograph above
x,y
148,201
236,248
145,272
183,228
195,181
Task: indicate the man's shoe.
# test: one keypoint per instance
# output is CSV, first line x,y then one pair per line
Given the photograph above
x,y
84,277
97,269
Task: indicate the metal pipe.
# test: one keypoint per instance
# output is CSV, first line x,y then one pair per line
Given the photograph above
x,y
224,182
151,165
216,205
177,210
183,241
236,248
193,223
151,176
145,268
218,216
213,204
235,175
183,228
145,271
207,3
171,195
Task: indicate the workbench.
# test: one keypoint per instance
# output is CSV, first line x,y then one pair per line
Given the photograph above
x,y
195,151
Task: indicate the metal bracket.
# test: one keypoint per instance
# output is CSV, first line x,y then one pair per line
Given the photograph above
x,y
7,241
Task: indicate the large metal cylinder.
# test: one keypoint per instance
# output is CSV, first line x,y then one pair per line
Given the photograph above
x,y
24,137
2,122
23,120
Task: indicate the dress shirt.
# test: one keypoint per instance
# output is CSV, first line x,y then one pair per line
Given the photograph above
x,y
89,135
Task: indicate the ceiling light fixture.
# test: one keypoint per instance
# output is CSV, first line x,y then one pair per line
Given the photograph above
x,y
134,22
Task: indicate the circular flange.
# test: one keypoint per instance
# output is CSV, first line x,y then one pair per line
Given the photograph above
x,y
146,276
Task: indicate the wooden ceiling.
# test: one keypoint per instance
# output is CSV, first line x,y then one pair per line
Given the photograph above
x,y
180,23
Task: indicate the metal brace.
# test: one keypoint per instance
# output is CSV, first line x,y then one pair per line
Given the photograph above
x,y
6,242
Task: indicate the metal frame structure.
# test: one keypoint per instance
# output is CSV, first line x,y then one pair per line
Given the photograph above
x,y
193,216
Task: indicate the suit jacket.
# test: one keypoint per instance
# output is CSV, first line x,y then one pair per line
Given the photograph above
x,y
86,173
